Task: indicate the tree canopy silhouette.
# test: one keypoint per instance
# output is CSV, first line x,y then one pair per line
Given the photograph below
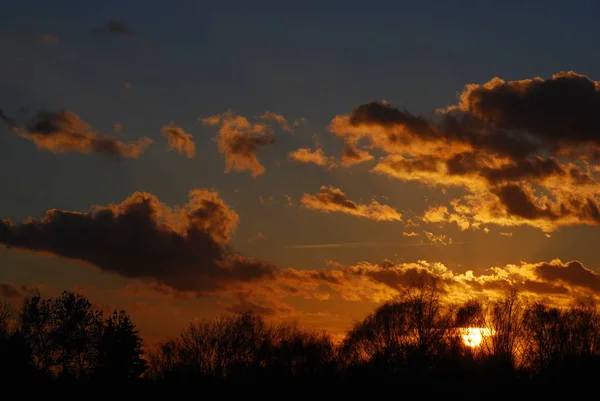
x,y
414,339
69,339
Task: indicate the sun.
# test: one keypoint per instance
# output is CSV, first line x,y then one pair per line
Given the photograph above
x,y
473,336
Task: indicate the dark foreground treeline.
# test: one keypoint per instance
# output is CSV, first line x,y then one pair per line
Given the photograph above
x,y
413,340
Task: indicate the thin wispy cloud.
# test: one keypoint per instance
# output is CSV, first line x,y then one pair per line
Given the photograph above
x,y
338,245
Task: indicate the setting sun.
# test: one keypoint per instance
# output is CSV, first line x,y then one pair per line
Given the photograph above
x,y
473,336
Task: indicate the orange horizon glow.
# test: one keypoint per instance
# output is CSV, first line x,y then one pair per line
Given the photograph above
x,y
473,336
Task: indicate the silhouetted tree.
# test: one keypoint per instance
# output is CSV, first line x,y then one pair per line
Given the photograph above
x,y
406,335
7,314
120,350
16,363
243,347
545,333
69,339
504,321
77,330
36,323
301,354
413,339
561,344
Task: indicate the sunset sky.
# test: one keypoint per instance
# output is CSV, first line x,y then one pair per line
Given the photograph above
x,y
301,160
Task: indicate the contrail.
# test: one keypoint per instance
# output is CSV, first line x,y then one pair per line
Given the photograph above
x,y
363,244
338,245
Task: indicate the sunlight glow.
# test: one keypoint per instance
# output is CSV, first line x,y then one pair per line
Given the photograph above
x,y
473,336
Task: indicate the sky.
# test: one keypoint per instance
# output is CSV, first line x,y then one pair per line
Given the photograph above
x,y
302,160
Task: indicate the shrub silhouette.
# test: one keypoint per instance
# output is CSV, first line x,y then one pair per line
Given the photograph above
x,y
240,348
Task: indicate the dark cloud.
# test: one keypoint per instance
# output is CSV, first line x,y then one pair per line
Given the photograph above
x,y
64,131
398,277
541,287
382,113
184,248
113,28
245,304
519,203
571,274
7,120
534,168
8,290
560,110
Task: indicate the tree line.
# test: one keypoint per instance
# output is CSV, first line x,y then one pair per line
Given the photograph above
x,y
416,338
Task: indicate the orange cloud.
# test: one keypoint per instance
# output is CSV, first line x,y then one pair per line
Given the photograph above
x,y
555,282
47,38
64,131
504,145
179,140
238,140
410,234
351,155
288,200
306,155
331,199
279,119
439,240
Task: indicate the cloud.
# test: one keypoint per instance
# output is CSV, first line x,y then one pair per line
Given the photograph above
x,y
185,247
238,140
556,282
154,290
331,199
288,200
179,140
10,291
47,38
7,120
506,234
245,304
279,119
439,240
257,237
114,27
410,234
569,274
524,152
351,155
306,155
64,131
561,111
